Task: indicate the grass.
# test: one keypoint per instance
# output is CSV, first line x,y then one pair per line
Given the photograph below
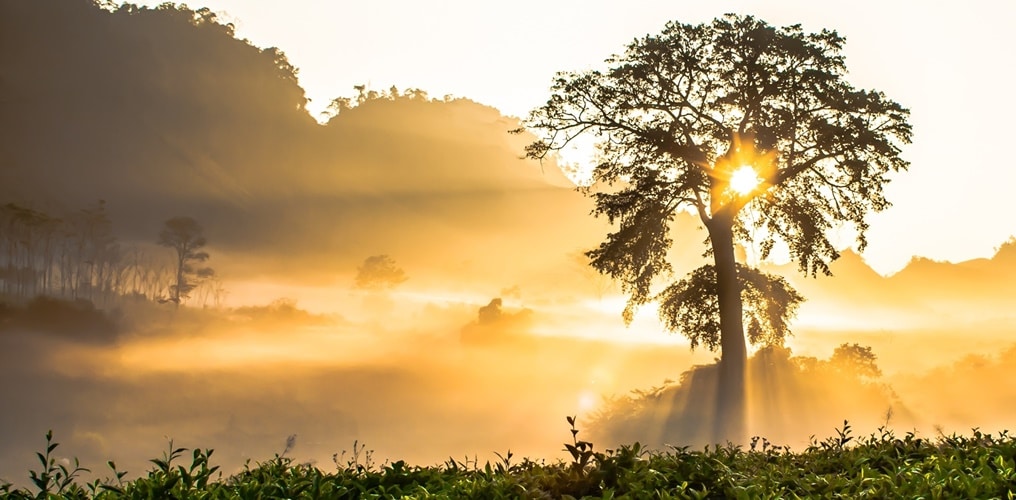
x,y
880,465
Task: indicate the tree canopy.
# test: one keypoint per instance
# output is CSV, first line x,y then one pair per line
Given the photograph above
x,y
677,113
677,117
379,272
186,237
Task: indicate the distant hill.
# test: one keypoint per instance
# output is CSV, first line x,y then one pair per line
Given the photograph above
x,y
926,292
150,104
412,145
163,112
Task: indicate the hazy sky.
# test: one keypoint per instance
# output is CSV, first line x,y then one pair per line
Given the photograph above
x,y
949,63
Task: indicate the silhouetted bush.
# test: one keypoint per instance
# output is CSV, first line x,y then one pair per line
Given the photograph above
x,y
279,311
786,394
77,320
494,325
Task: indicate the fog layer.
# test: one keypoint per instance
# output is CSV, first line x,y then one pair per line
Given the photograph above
x,y
162,113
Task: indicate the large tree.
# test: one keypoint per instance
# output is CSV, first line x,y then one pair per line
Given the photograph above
x,y
186,237
726,119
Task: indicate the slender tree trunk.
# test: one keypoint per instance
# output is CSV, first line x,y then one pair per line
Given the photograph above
x,y
179,277
731,413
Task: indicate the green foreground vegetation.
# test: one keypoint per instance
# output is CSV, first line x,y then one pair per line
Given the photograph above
x,y
880,465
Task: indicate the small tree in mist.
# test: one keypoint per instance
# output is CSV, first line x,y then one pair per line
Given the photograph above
x,y
754,129
186,237
856,361
379,272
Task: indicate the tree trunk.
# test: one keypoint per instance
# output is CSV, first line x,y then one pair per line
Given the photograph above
x,y
179,278
731,414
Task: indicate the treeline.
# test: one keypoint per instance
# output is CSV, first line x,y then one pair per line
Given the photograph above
x,y
76,255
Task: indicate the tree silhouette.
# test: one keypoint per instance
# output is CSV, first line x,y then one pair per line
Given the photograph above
x,y
379,272
74,255
855,361
186,237
676,117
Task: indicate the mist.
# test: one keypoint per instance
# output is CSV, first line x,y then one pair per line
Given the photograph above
x,y
426,380
423,384
498,331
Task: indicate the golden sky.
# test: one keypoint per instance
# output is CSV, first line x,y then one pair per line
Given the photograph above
x,y
947,62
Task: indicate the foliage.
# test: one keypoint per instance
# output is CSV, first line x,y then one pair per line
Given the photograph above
x,y
77,319
810,393
856,361
880,465
677,113
186,237
281,310
379,272
675,119
691,306
364,95
73,254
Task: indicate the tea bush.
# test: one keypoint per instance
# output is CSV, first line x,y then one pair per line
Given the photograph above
x,y
880,465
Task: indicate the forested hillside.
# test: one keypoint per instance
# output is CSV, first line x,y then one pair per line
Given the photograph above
x,y
164,112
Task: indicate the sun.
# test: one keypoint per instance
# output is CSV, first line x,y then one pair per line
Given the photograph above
x,y
587,401
744,180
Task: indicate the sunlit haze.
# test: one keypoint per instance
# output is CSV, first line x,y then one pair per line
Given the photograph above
x,y
504,54
318,218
